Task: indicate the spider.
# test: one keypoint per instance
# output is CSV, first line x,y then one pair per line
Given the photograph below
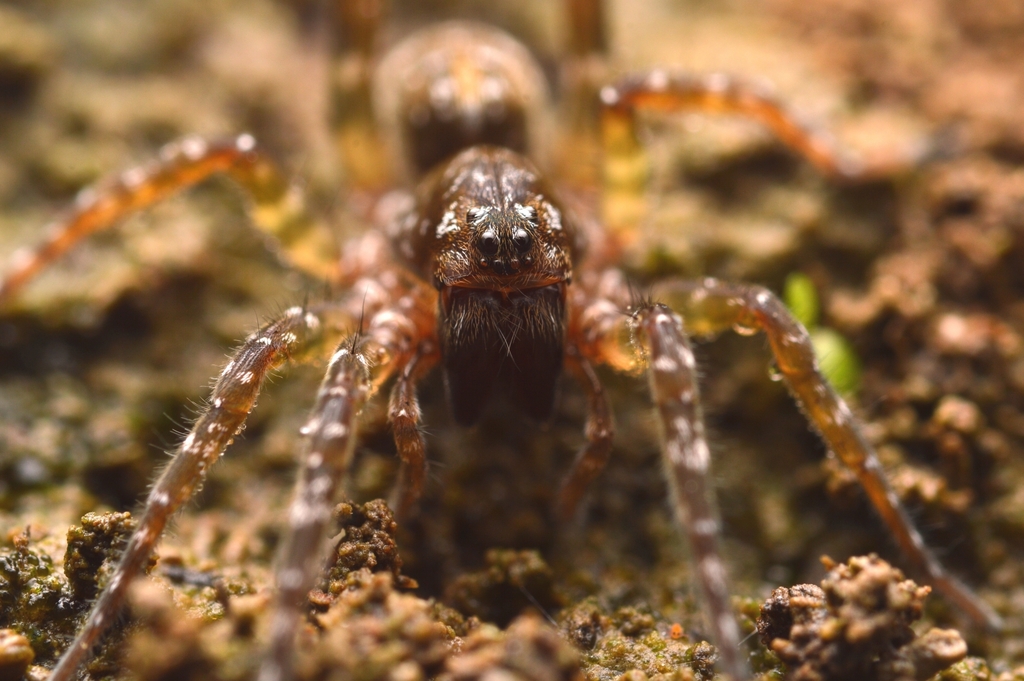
x,y
490,269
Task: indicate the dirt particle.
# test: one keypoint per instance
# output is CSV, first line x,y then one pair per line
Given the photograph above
x,y
856,626
366,540
528,651
93,548
510,582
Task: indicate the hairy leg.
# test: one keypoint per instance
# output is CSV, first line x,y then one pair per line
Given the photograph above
x,y
604,334
331,432
404,415
710,307
277,207
625,164
358,367
673,379
232,399
600,432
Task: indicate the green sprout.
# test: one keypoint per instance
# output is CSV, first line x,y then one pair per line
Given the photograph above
x,y
839,363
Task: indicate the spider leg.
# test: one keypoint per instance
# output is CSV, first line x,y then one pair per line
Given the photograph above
x,y
404,415
673,380
710,306
233,397
331,438
584,71
277,207
352,116
600,432
587,33
357,368
625,165
603,333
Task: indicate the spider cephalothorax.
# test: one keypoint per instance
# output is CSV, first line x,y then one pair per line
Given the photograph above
x,y
492,240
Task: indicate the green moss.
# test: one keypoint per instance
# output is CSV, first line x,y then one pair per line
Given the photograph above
x,y
33,599
47,605
93,547
973,669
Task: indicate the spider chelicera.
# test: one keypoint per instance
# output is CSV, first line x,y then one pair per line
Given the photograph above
x,y
497,273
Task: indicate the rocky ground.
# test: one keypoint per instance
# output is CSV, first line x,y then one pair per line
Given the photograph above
x,y
103,359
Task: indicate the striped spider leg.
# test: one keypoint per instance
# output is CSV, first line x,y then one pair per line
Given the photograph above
x,y
709,307
398,343
278,209
277,206
389,299
233,397
624,168
600,324
397,339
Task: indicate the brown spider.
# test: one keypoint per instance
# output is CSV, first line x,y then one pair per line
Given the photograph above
x,y
492,272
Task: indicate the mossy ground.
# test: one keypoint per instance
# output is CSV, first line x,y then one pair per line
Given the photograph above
x,y
102,359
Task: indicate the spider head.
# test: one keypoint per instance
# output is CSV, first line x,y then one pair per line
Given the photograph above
x,y
501,257
495,224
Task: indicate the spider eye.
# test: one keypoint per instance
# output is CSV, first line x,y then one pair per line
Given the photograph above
x,y
522,241
487,243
